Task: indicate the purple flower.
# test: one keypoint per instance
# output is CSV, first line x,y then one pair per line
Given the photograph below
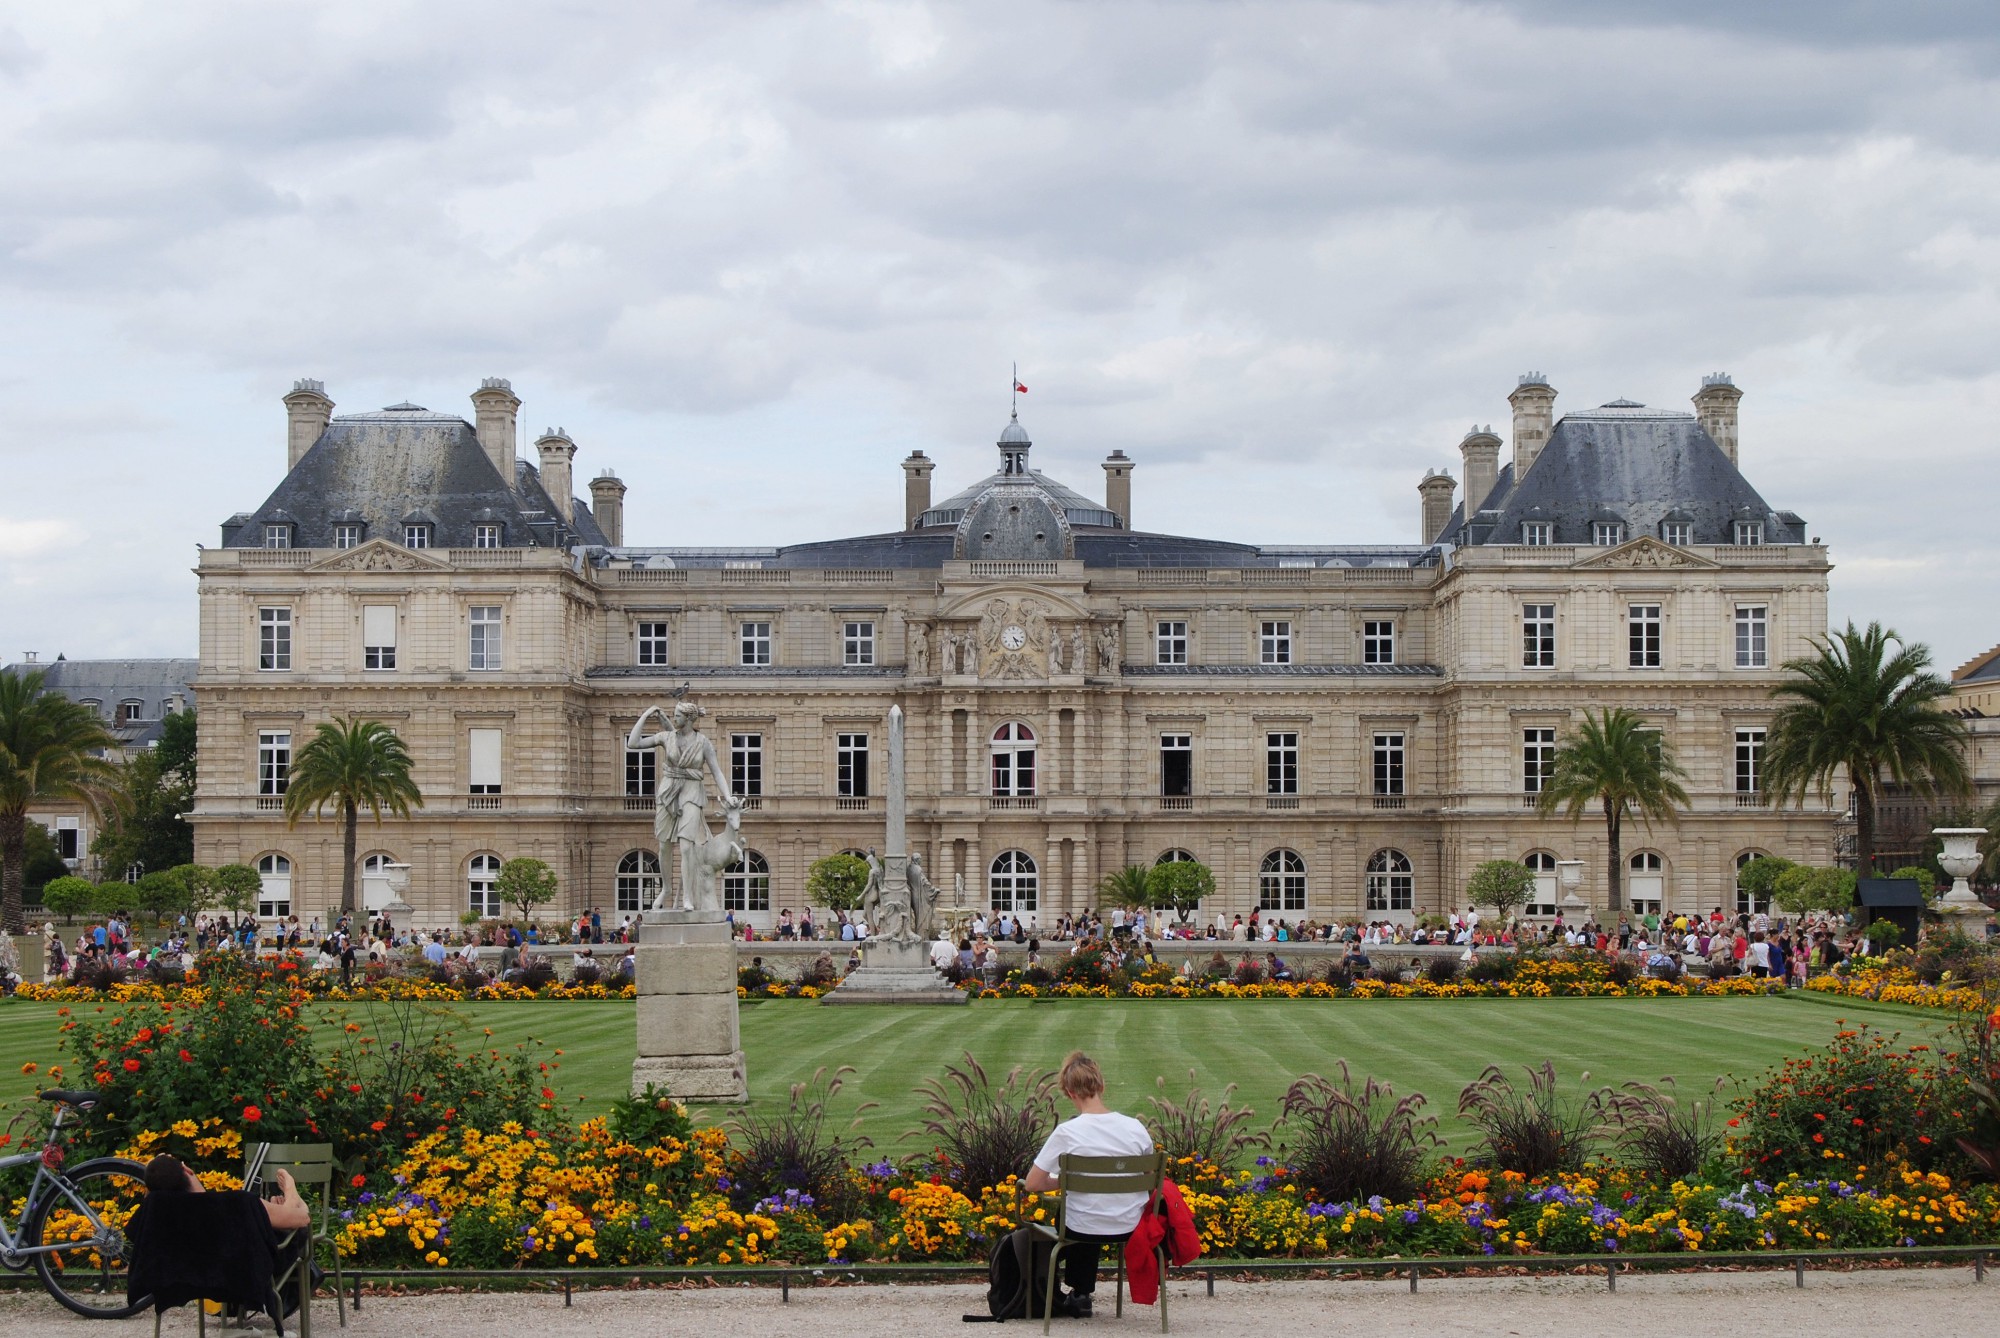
x,y
1486,1247
645,1223
1375,1203
1411,1217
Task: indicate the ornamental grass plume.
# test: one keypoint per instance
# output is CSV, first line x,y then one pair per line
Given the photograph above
x,y
1193,1130
1350,1145
1535,1133
792,1151
1654,1133
983,1133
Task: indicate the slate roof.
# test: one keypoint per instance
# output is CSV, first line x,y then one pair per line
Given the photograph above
x,y
1628,462
1981,668
402,462
154,683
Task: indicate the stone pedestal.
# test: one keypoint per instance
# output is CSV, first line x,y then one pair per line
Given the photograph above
x,y
688,1039
895,973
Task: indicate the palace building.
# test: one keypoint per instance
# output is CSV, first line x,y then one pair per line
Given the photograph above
x,y
1337,730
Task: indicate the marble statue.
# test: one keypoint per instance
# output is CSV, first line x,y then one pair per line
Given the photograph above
x,y
1055,654
1107,648
685,761
948,648
1077,663
920,651
924,896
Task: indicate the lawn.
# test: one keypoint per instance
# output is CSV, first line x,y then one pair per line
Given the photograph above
x,y
1429,1046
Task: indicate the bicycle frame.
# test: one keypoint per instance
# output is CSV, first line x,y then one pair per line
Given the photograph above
x,y
50,1183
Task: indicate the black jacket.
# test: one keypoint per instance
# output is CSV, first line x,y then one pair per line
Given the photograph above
x,y
204,1247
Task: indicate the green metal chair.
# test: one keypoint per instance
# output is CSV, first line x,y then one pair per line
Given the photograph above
x,y
311,1164
1081,1175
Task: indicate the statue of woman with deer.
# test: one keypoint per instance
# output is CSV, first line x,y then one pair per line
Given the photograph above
x,y
686,759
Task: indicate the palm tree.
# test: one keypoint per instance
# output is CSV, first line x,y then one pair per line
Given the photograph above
x,y
351,765
1866,705
49,750
1615,762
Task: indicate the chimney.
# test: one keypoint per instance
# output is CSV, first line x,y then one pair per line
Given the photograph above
x,y
494,406
916,487
1118,487
1436,490
1481,452
607,504
1534,402
308,410
1715,410
556,451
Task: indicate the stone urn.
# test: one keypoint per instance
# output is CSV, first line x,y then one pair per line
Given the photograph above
x,y
1960,858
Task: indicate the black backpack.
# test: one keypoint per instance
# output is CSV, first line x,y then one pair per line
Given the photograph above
x,y
1017,1276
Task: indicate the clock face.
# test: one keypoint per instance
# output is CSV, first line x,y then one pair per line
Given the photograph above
x,y
1013,638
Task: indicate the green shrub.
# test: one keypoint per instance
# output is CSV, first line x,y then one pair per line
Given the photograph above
x,y
68,895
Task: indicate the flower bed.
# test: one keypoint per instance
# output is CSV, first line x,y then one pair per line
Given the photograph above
x,y
1896,984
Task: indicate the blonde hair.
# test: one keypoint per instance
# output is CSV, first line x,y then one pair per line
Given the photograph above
x,y
1081,1077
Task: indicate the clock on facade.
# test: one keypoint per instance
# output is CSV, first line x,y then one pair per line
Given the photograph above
x,y
1013,638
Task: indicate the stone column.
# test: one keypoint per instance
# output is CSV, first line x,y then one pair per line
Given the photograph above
x,y
688,1038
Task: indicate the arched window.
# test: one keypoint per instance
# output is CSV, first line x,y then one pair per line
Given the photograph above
x,y
1013,884
1281,882
1391,884
1542,901
638,880
1013,760
1175,856
375,892
1745,903
482,886
1646,887
746,884
274,897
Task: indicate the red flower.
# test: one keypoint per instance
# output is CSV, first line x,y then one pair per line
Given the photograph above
x,y
354,1087
251,1114
359,1181
1819,1138
378,1126
548,1094
131,1066
186,1058
145,1034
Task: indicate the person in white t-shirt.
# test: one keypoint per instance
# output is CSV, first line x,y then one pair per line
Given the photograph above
x,y
1094,1220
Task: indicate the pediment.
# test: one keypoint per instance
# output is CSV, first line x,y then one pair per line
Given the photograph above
x,y
381,555
1645,553
979,603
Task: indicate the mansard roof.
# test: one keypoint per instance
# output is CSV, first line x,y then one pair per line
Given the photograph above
x,y
405,460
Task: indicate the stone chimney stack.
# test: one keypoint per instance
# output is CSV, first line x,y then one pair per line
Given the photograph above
x,y
916,487
607,504
494,406
1481,452
1118,487
309,411
1436,490
557,451
1534,402
1715,410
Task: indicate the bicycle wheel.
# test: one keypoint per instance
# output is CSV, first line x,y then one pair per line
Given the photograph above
x,y
86,1213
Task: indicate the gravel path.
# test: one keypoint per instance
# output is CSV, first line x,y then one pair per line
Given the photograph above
x,y
1945,1302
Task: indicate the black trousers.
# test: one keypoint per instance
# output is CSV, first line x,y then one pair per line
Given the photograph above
x,y
1081,1256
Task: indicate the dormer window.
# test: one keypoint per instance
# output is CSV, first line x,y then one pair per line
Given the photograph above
x,y
1537,533
1607,533
277,536
1749,533
1677,532
346,536
416,536
485,536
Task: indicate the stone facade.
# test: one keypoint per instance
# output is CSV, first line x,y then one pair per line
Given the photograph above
x,y
1288,716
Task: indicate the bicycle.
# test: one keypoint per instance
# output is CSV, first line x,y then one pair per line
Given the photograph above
x,y
72,1224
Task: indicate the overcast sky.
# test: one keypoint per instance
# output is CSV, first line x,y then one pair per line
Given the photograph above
x,y
750,255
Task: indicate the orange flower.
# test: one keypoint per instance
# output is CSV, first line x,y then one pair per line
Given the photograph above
x,y
378,1126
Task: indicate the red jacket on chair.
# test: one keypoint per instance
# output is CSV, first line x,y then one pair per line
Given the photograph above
x,y
1170,1222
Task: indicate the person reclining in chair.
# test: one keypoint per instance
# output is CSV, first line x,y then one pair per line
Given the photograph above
x,y
1094,1220
288,1212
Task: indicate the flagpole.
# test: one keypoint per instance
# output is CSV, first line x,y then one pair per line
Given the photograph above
x,y
1014,393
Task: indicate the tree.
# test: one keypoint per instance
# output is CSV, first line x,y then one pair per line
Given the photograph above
x,y
69,894
351,765
1868,707
1925,879
525,884
165,892
40,859
1182,884
147,824
1616,763
837,882
1806,887
49,752
237,886
1130,887
1758,879
1502,884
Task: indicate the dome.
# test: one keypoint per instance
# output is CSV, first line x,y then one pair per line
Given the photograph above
x,y
1014,434
1013,522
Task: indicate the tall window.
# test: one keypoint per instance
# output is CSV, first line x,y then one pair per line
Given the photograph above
x,y
277,536
1647,883
746,884
274,761
1538,636
652,643
1391,884
1607,533
1281,882
346,536
857,643
68,836
1388,764
485,637
416,536
378,636
1678,532
1749,533
1537,533
1176,765
1542,900
1274,643
1642,635
1745,903
485,536
746,764
1013,760
482,886
641,776
851,765
375,889
1378,643
274,889
1753,637
755,642
1281,762
1749,763
1012,883
638,880
1538,759
1170,643
483,766
274,639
